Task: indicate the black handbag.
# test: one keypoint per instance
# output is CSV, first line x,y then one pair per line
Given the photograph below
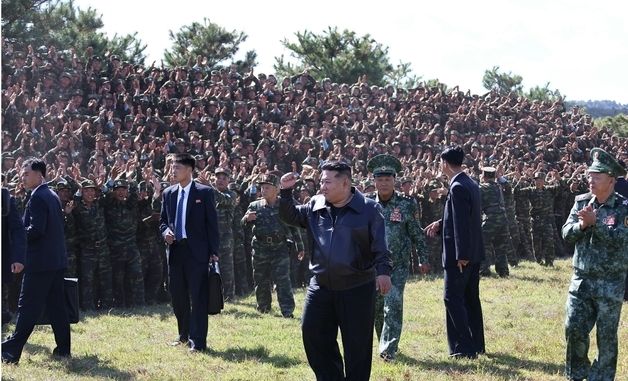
x,y
216,302
70,289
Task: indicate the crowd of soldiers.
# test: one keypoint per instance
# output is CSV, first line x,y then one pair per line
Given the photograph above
x,y
107,128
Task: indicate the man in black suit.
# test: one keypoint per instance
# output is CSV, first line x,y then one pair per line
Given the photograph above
x,y
463,251
13,246
189,225
45,263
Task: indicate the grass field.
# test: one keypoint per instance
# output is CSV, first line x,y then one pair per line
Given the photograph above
x,y
523,317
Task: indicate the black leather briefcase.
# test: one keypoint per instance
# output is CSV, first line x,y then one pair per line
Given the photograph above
x,y
216,302
70,289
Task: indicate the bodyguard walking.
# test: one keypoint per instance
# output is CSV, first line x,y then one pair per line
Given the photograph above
x,y
45,264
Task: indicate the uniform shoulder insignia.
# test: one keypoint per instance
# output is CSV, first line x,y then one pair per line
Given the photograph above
x,y
584,197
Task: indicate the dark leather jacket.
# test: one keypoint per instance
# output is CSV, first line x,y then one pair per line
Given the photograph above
x,y
345,254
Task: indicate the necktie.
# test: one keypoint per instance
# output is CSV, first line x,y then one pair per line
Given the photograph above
x,y
178,234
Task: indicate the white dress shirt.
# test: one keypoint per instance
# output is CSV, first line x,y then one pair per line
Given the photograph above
x,y
185,206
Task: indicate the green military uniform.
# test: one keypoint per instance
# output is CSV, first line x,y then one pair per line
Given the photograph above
x,y
239,252
597,286
522,214
513,228
497,241
94,260
271,261
225,208
150,244
126,265
542,219
70,234
432,205
403,229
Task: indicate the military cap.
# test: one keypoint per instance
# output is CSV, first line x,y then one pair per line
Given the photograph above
x,y
142,186
88,184
433,185
164,185
268,179
404,180
384,165
336,141
603,162
220,170
7,156
125,135
62,184
120,183
488,171
367,184
540,175
234,187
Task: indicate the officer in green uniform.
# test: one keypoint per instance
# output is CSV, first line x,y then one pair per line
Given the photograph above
x,y
94,260
432,204
513,226
271,237
598,226
121,215
497,241
522,214
225,208
403,229
239,251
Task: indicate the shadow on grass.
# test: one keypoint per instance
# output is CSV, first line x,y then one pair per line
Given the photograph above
x,y
88,365
259,353
91,365
502,364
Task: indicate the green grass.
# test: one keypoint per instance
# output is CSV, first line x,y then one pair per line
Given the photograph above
x,y
523,317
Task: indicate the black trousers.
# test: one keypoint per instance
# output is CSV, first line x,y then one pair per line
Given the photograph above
x,y
39,290
189,283
465,325
325,311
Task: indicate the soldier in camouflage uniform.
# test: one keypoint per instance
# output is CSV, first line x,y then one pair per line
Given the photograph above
x,y
513,228
94,260
598,225
121,215
542,217
149,241
432,204
64,191
497,241
403,229
225,208
239,252
522,214
270,248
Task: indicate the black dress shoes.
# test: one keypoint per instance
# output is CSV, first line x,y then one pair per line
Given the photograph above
x,y
8,358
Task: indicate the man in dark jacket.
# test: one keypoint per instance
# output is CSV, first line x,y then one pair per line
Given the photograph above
x,y
463,252
46,261
350,261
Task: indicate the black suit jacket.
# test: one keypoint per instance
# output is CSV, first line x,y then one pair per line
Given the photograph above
x,y
201,220
461,227
43,220
13,235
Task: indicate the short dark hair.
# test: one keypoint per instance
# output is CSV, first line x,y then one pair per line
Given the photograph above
x,y
453,155
35,164
185,159
342,168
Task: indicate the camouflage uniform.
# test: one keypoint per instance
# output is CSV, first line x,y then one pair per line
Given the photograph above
x,y
239,253
270,256
432,210
597,286
71,236
151,247
403,229
94,259
513,226
497,242
542,218
122,217
225,208
522,214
